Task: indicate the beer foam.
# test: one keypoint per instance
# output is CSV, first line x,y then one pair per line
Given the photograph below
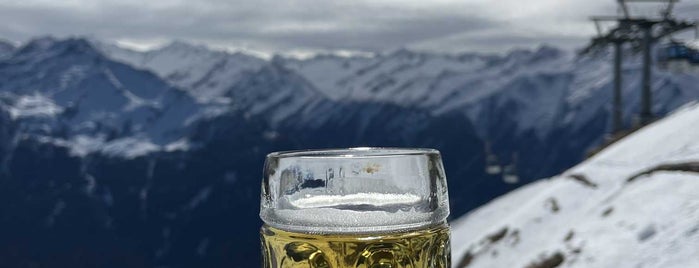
x,y
376,199
355,213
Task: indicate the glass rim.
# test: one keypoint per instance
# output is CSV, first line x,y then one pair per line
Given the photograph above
x,y
353,152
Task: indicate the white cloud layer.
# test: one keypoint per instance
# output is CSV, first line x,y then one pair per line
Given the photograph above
x,y
308,25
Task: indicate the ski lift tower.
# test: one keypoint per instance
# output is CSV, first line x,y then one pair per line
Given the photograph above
x,y
641,32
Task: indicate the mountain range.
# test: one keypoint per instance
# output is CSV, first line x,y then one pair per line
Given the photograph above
x,y
113,157
520,103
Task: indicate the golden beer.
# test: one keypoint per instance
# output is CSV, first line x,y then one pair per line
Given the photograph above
x,y
420,248
372,208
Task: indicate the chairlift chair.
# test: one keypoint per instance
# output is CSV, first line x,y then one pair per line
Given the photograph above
x,y
679,55
509,174
492,165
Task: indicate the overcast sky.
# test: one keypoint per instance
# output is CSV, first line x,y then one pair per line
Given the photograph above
x,y
285,26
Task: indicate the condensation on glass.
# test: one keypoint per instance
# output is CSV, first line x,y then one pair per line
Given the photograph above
x,y
359,207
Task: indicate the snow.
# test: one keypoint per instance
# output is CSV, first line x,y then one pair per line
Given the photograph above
x,y
676,140
34,105
651,221
72,75
133,101
327,71
80,145
129,147
179,145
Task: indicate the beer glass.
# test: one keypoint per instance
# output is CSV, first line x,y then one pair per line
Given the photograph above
x,y
359,208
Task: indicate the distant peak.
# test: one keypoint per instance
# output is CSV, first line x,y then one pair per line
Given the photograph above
x,y
42,42
546,49
184,45
543,51
75,44
48,44
243,55
403,52
518,52
6,48
6,44
178,43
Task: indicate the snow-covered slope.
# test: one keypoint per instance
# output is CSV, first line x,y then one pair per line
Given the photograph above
x,y
635,204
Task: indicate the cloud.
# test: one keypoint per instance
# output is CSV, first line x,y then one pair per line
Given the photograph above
x,y
278,26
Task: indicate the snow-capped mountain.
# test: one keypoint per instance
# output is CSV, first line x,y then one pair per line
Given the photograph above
x,y
540,103
634,204
70,94
276,94
546,85
548,105
204,72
